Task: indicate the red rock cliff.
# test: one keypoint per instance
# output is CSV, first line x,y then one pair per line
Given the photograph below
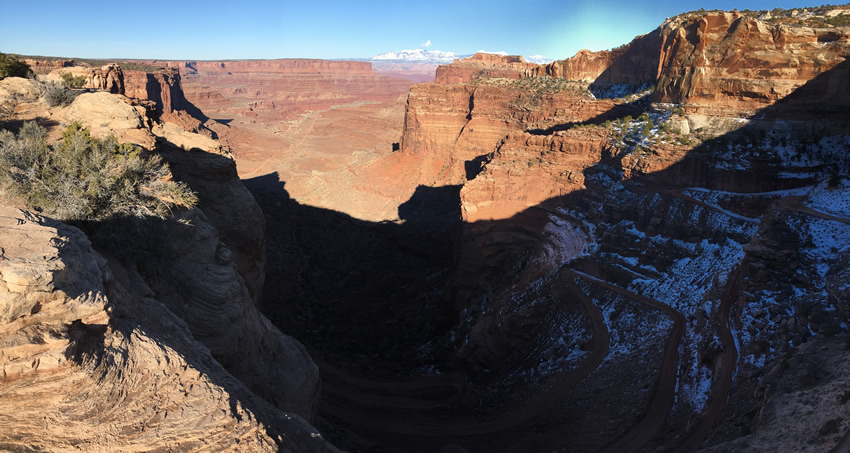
x,y
736,63
483,65
275,90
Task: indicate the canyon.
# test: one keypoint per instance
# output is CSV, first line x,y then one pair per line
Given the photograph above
x,y
640,249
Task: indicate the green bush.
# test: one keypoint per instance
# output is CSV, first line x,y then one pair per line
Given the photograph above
x,y
11,66
72,81
56,95
81,178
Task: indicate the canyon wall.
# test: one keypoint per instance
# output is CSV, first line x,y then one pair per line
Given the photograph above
x,y
453,126
728,64
177,295
482,65
680,235
91,359
275,90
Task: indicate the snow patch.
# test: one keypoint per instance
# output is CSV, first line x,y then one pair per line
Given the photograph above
x,y
831,200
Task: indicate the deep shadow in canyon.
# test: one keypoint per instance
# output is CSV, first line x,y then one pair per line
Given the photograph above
x,y
353,290
378,300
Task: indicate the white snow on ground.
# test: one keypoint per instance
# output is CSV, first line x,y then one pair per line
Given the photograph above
x,y
828,237
796,175
622,90
686,281
798,191
569,334
710,201
831,200
632,327
560,347
696,391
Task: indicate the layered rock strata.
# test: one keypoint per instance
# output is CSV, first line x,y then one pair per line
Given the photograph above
x,y
701,224
91,359
201,271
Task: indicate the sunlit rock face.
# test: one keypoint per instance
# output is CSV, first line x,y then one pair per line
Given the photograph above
x,y
87,349
691,225
147,322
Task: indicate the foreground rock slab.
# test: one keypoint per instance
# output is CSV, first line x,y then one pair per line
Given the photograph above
x,y
87,361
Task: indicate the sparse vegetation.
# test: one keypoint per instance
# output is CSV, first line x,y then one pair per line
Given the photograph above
x,y
12,66
56,95
85,179
72,81
841,20
534,88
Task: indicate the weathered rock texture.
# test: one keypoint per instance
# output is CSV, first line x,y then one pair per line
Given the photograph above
x,y
91,359
483,65
705,253
204,268
449,126
281,89
527,170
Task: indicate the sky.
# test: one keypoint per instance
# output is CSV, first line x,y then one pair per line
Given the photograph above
x,y
333,29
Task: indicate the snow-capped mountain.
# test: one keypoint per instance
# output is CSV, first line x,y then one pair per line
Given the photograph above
x,y
418,55
538,59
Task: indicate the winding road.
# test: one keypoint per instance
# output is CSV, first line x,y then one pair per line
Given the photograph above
x,y
636,437
463,426
661,401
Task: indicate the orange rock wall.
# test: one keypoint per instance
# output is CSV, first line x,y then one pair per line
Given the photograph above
x,y
274,90
729,61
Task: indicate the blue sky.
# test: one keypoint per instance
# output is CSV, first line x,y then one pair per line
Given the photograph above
x,y
214,29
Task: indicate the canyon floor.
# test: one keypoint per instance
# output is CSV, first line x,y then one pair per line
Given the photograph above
x,y
632,250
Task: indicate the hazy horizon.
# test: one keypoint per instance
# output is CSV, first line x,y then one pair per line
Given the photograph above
x,y
335,30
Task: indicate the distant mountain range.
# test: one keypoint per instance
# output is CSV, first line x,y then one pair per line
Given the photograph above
x,y
440,57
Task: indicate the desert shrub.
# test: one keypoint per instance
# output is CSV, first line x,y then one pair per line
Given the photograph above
x,y
841,20
56,95
11,66
72,81
82,178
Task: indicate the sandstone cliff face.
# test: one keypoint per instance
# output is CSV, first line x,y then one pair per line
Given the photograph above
x,y
205,269
635,63
728,64
281,89
526,170
579,237
91,359
450,126
161,87
483,65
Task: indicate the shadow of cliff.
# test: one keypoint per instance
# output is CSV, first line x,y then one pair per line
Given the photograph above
x,y
635,66
497,255
619,111
354,290
367,296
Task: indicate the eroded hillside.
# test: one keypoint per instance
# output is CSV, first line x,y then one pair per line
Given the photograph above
x,y
641,249
652,245
136,329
